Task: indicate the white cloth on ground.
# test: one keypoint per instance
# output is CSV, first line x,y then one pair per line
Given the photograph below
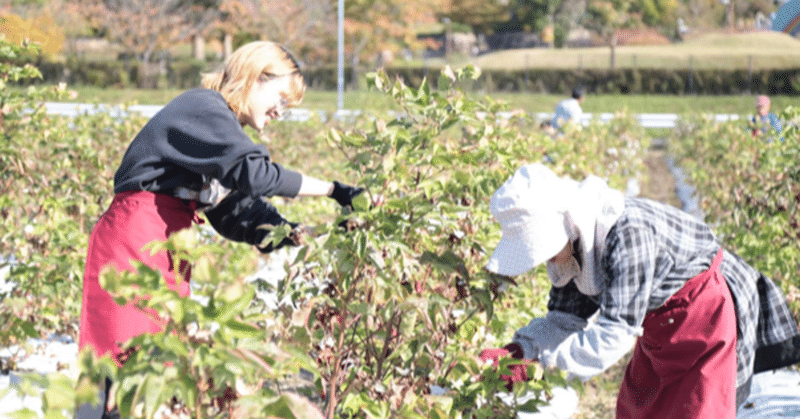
x,y
773,394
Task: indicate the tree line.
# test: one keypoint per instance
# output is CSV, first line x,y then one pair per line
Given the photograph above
x,y
143,29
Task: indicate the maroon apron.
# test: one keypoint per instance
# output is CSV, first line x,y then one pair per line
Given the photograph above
x,y
684,364
134,219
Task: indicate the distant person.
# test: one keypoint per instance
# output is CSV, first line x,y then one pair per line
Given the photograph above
x,y
764,119
569,109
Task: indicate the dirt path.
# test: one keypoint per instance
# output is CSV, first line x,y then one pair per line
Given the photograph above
x,y
600,394
659,184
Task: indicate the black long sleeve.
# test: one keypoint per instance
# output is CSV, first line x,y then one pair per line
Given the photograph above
x,y
197,135
238,216
197,138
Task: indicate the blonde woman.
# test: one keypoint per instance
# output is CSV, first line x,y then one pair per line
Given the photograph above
x,y
192,156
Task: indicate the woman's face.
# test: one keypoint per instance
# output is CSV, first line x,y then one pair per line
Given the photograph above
x,y
564,266
266,101
762,109
563,256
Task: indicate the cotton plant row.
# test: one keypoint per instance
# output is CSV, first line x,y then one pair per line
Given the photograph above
x,y
382,304
750,190
56,175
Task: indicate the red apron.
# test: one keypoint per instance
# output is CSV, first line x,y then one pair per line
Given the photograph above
x,y
684,365
134,219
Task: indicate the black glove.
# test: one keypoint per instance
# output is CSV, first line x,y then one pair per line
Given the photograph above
x,y
344,194
295,238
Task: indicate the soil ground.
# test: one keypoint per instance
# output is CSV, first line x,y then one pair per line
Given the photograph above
x,y
600,393
659,184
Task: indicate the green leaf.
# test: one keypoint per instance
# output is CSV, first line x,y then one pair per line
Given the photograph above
x,y
175,345
361,203
290,406
241,330
154,394
24,413
352,403
448,261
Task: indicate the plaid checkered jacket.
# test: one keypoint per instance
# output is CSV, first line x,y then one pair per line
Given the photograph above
x,y
652,251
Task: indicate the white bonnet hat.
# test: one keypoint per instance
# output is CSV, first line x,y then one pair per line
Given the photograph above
x,y
532,218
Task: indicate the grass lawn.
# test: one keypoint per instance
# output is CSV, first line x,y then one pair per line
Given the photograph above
x,y
758,50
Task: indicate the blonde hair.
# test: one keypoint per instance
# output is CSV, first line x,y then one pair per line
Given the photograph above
x,y
249,62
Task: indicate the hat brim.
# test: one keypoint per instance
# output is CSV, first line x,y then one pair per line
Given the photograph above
x,y
526,245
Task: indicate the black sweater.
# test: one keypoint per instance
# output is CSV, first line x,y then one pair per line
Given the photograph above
x,y
197,135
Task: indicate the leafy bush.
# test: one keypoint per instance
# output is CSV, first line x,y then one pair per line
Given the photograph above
x,y
378,312
100,73
217,349
186,74
55,182
750,190
401,301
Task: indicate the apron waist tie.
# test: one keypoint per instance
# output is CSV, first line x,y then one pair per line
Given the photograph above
x,y
195,216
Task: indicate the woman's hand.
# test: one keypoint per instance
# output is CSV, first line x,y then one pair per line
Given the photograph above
x,y
344,194
519,372
296,237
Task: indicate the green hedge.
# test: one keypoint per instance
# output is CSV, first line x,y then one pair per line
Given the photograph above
x,y
634,81
186,74
181,74
90,73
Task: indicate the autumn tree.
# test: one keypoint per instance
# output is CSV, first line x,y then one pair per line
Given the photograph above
x,y
306,27
144,28
531,15
607,17
657,13
478,14
40,29
49,27
373,26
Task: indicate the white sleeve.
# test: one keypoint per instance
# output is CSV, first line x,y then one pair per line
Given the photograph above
x,y
588,352
547,332
575,112
578,116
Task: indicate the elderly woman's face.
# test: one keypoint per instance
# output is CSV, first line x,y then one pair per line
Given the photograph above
x,y
266,100
563,256
565,265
